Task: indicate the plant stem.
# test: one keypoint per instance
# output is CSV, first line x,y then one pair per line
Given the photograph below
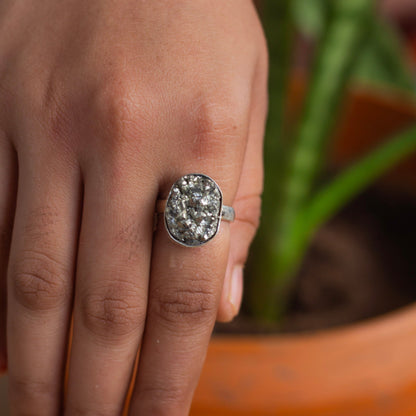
x,y
279,29
278,26
335,59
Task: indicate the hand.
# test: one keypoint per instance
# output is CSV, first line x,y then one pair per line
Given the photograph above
x,y
103,105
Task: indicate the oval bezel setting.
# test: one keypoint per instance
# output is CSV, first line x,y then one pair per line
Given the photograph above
x,y
193,210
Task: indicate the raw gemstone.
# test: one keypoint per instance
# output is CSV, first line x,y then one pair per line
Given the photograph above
x,y
193,209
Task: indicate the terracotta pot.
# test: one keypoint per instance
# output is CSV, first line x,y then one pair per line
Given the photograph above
x,y
367,369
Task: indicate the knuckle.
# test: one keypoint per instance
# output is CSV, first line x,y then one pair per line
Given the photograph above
x,y
113,310
124,112
188,306
217,128
115,103
40,282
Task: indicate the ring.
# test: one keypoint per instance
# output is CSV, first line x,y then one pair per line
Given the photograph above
x,y
194,209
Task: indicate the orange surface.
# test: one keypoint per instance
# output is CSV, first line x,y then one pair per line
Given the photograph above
x,y
362,370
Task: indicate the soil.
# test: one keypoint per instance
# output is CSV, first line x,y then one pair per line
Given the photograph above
x,y
359,265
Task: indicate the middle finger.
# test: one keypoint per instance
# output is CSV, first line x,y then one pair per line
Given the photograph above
x,y
111,289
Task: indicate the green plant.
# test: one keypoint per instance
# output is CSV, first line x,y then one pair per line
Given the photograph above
x,y
353,43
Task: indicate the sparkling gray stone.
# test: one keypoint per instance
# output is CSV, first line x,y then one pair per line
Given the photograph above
x,y
193,210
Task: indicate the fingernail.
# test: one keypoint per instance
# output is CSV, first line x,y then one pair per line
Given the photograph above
x,y
236,288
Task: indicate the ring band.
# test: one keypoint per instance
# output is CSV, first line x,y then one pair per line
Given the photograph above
x,y
193,210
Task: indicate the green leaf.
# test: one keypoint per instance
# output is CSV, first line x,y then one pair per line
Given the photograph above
x,y
278,26
336,56
348,185
310,16
382,60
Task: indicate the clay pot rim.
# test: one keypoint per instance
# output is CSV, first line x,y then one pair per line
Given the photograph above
x,y
402,314
365,368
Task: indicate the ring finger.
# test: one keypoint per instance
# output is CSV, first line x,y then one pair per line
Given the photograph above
x,y
111,287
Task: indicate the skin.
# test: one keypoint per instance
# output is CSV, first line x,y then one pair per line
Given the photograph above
x,y
103,105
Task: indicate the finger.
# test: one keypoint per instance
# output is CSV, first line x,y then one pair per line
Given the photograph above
x,y
185,286
247,211
8,188
242,232
40,279
111,288
247,202
184,295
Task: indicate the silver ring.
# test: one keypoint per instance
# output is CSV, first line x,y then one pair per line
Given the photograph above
x,y
194,210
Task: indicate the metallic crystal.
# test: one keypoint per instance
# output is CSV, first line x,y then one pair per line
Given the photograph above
x,y
193,210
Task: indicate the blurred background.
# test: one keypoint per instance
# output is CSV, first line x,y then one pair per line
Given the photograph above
x,y
342,87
